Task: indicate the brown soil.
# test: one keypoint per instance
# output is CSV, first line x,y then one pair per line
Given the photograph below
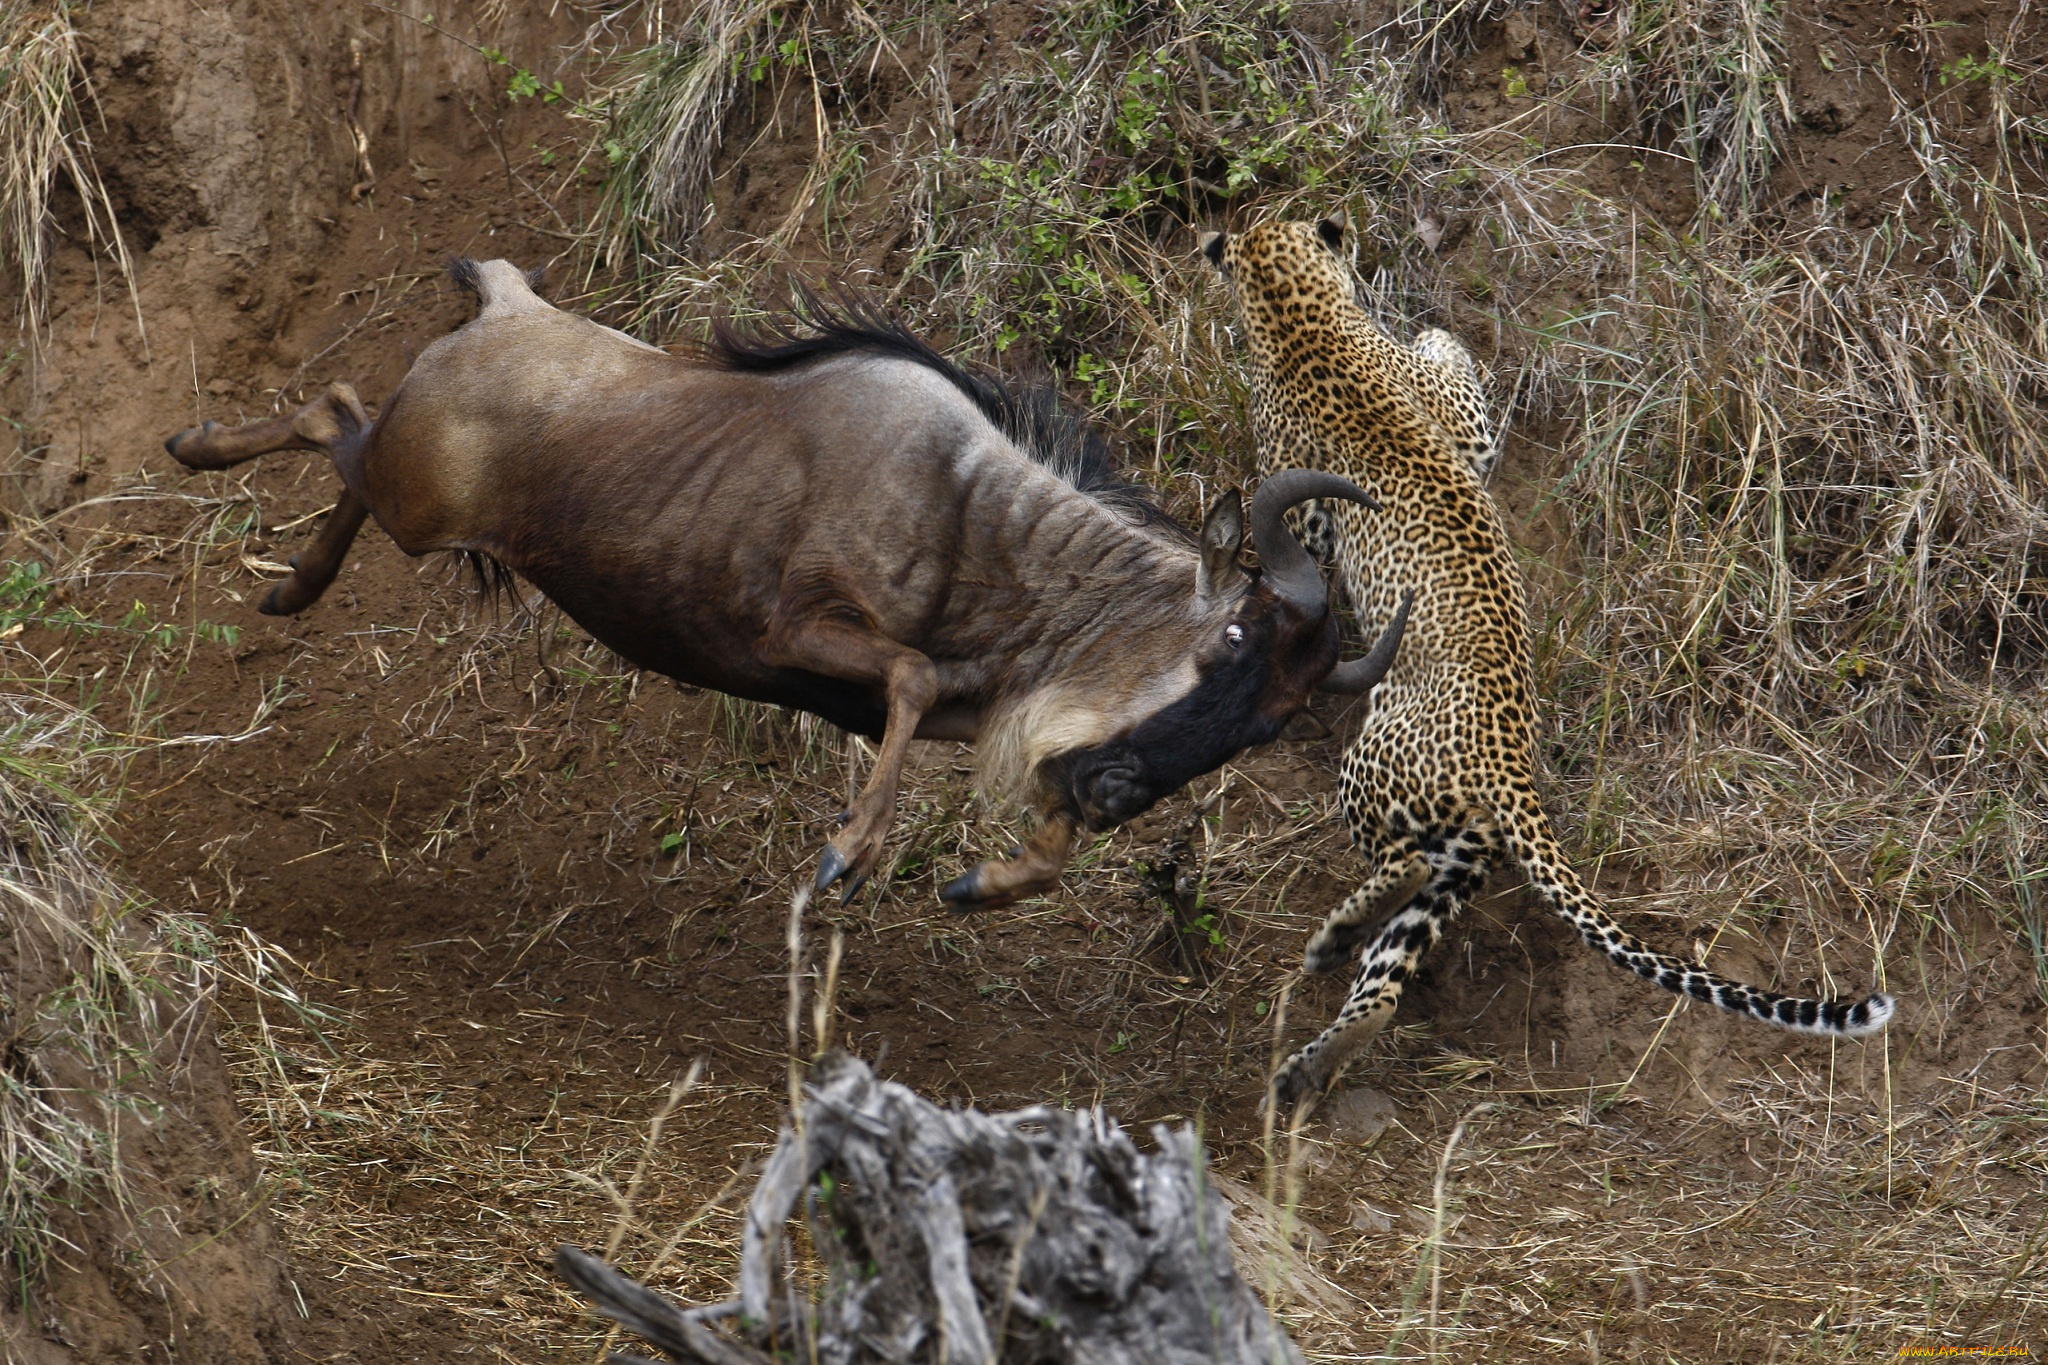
x,y
454,814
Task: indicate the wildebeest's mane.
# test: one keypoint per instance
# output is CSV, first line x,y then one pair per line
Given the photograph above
x,y
1035,416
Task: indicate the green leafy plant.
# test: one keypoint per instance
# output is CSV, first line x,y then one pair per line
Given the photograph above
x,y
1987,69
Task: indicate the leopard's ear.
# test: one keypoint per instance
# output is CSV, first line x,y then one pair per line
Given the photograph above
x,y
1332,230
1212,247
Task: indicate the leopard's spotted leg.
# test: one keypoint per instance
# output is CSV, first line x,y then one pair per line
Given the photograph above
x,y
1375,993
1457,402
1401,872
1401,869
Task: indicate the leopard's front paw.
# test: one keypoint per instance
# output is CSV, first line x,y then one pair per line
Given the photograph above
x,y
1297,1082
1326,952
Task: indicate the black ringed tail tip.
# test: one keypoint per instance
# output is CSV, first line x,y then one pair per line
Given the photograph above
x,y
1869,1017
1830,1017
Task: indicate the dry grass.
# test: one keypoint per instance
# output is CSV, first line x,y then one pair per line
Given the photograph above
x,y
363,1143
101,995
57,1143
106,992
663,114
45,110
1771,1226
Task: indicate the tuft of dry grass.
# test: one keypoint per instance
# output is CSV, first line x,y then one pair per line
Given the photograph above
x,y
661,116
101,995
1703,78
45,99
61,912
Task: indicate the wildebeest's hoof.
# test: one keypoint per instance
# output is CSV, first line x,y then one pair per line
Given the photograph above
x,y
964,891
832,865
986,886
278,601
176,442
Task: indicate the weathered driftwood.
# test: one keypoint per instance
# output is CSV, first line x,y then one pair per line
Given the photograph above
x,y
961,1238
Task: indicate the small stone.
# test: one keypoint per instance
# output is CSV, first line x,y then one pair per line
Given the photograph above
x,y
1358,1113
1366,1218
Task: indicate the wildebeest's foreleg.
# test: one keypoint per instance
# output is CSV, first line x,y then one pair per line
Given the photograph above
x,y
1031,870
314,567
839,648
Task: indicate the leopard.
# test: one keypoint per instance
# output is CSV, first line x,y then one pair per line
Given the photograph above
x,y
1439,785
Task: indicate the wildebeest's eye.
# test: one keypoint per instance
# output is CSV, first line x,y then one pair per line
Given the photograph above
x,y
1233,635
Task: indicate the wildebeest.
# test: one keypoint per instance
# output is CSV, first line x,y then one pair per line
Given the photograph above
x,y
829,515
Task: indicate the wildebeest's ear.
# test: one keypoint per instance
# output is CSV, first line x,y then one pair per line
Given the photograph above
x,y
1212,247
1332,230
1222,538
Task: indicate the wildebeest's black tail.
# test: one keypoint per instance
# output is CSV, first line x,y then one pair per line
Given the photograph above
x,y
485,285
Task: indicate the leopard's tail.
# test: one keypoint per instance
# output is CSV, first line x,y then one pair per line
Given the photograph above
x,y
1529,837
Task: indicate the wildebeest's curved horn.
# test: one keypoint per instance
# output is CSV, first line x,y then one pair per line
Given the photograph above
x,y
1363,675
1287,566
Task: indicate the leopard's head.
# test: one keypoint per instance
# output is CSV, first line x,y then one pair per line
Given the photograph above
x,y
1289,276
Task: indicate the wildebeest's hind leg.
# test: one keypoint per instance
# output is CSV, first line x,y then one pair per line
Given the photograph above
x,y
839,647
326,424
333,424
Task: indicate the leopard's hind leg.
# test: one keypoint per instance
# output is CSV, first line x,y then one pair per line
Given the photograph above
x,y
1403,846
1401,872
1383,973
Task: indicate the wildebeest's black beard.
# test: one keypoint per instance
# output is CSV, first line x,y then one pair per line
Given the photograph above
x,y
1110,783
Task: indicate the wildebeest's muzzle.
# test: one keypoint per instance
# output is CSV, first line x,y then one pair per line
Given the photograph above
x,y
1228,711
1110,783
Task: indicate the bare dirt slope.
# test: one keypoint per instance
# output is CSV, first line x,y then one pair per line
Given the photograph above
x,y
538,888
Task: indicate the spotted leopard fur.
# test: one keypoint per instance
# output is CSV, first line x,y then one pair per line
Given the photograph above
x,y
1445,382
1439,784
